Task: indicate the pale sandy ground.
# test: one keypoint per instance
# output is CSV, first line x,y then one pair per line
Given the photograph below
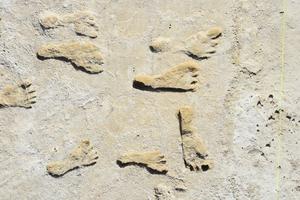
x,y
72,105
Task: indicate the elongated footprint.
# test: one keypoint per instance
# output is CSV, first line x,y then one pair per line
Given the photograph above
x,y
84,22
195,153
200,45
84,55
153,160
182,77
83,155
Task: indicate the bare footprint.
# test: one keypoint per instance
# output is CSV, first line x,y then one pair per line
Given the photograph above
x,y
83,155
202,44
194,151
84,22
182,77
17,96
153,160
199,46
82,54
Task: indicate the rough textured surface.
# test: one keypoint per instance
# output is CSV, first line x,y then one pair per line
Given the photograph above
x,y
180,77
163,192
233,105
84,55
152,160
83,155
84,22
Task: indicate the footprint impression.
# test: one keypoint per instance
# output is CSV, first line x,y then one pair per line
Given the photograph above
x,y
201,45
83,155
182,77
195,153
84,22
154,161
17,96
82,54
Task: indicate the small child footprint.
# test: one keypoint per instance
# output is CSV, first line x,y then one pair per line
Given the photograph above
x,y
195,153
154,161
84,22
83,155
17,96
202,44
83,54
182,77
198,46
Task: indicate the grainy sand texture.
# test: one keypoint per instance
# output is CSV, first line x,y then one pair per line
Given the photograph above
x,y
149,99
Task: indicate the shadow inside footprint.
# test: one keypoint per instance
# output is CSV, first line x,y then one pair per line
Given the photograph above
x,y
60,175
190,54
140,86
150,170
153,50
205,167
64,59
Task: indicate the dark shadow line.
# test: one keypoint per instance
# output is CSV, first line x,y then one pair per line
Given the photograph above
x,y
64,59
151,171
190,54
180,129
140,86
60,175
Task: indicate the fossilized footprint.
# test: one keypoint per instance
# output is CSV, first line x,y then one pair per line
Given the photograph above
x,y
83,155
153,160
182,77
202,44
17,96
194,150
84,22
82,54
198,46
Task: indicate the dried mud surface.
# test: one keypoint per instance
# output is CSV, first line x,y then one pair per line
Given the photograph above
x,y
247,115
